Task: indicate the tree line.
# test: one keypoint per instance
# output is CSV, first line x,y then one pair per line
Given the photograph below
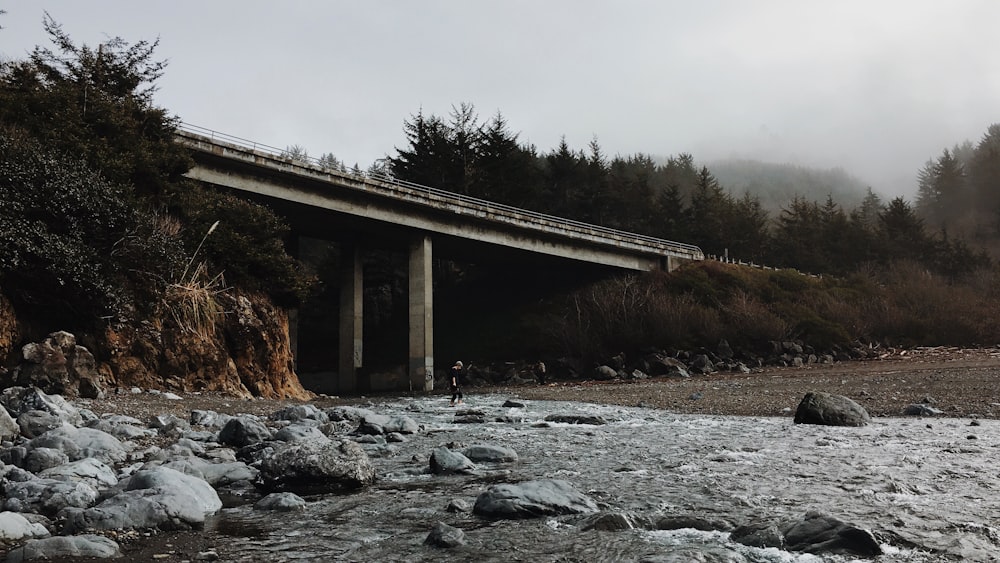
x,y
679,200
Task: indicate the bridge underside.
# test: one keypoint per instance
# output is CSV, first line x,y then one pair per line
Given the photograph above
x,y
357,222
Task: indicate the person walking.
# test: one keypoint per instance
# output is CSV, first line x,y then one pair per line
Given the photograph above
x,y
457,375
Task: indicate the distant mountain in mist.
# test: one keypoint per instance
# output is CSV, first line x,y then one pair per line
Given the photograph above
x,y
778,184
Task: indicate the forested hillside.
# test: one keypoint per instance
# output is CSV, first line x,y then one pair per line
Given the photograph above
x,y
813,230
777,184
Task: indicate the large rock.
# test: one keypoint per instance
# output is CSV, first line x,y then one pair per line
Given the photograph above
x,y
445,462
298,413
161,498
34,423
243,431
9,429
19,400
531,499
317,466
79,443
281,502
15,527
58,365
91,471
821,533
490,454
60,548
47,496
830,410
215,474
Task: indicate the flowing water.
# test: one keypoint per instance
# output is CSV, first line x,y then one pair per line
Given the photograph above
x,y
928,488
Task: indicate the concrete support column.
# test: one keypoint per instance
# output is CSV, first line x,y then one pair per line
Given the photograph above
x,y
421,316
351,319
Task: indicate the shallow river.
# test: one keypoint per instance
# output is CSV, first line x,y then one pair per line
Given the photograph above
x,y
928,488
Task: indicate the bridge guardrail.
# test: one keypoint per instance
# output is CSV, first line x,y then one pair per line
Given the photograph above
x,y
385,178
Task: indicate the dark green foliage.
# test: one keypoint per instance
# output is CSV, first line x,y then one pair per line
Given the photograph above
x,y
248,245
65,231
101,221
96,103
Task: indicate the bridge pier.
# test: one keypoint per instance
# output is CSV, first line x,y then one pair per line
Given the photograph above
x,y
421,309
351,319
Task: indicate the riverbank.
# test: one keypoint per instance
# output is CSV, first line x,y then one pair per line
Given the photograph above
x,y
960,383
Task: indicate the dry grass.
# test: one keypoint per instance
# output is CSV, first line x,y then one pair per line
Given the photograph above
x,y
193,302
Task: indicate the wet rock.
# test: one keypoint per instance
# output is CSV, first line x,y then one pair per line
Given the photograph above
x,y
446,462
490,454
693,522
759,535
281,502
161,498
317,466
821,533
60,548
608,522
15,527
210,419
921,409
531,499
457,505
444,535
353,414
243,431
576,419
512,404
383,424
830,410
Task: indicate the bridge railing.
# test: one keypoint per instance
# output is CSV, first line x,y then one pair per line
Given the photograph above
x,y
388,179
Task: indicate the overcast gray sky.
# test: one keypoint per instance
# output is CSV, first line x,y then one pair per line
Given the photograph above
x,y
874,87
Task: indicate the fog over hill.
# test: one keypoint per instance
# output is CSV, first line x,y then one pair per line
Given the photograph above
x,y
777,184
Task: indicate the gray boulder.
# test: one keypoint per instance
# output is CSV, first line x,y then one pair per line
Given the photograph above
x,y
243,431
121,427
281,502
921,409
34,423
531,499
79,443
15,527
40,459
830,410
215,474
9,429
821,533
299,432
161,498
60,548
19,400
326,465
297,413
47,496
605,373
89,470
576,419
443,535
490,454
446,462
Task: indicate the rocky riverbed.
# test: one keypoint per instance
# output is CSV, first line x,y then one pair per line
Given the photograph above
x,y
655,470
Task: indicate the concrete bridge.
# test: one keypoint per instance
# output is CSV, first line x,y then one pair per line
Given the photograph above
x,y
375,210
